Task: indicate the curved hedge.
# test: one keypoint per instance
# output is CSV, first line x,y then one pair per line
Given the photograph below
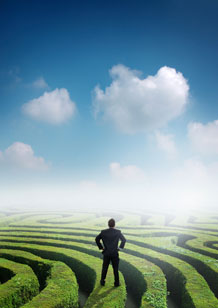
x,y
206,266
20,288
134,274
87,269
55,277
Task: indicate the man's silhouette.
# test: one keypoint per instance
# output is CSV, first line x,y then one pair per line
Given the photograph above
x,y
110,238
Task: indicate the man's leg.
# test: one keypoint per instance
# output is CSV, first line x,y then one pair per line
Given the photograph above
x,y
115,264
105,265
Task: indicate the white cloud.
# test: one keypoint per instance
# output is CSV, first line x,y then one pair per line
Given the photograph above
x,y
21,155
166,144
40,83
204,138
127,173
134,104
53,107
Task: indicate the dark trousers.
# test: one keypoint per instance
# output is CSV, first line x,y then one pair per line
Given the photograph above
x,y
115,264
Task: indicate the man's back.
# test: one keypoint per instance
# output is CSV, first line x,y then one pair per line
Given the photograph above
x,y
110,238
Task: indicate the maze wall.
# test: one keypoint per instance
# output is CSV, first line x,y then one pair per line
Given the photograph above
x,y
50,260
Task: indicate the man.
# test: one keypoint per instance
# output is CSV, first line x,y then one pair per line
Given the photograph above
x,y
110,238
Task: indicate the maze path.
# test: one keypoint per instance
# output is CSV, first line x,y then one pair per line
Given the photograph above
x,y
201,245
213,245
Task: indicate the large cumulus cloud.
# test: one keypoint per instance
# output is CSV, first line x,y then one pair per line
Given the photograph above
x,y
135,104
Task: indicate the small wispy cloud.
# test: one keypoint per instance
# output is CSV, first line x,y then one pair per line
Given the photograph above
x,y
14,74
53,107
40,83
204,137
21,156
10,78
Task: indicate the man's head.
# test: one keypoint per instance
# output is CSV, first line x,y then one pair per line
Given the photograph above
x,y
111,223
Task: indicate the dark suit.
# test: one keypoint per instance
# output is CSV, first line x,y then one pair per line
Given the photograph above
x,y
110,238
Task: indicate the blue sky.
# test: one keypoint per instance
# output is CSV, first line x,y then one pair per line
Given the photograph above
x,y
130,134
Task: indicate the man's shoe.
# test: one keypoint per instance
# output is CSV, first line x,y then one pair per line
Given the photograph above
x,y
102,283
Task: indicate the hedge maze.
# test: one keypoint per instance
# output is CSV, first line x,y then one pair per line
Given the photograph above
x,y
50,260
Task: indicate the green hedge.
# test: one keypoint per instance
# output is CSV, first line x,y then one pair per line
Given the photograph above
x,y
202,245
87,269
21,288
136,272
186,284
148,280
206,266
56,277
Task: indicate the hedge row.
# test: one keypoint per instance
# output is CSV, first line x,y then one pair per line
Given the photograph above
x,y
69,220
155,293
87,269
147,273
203,245
184,281
20,288
55,277
198,285
213,245
125,219
139,274
206,266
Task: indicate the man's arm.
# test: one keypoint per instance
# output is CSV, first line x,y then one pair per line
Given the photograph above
x,y
97,240
123,241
